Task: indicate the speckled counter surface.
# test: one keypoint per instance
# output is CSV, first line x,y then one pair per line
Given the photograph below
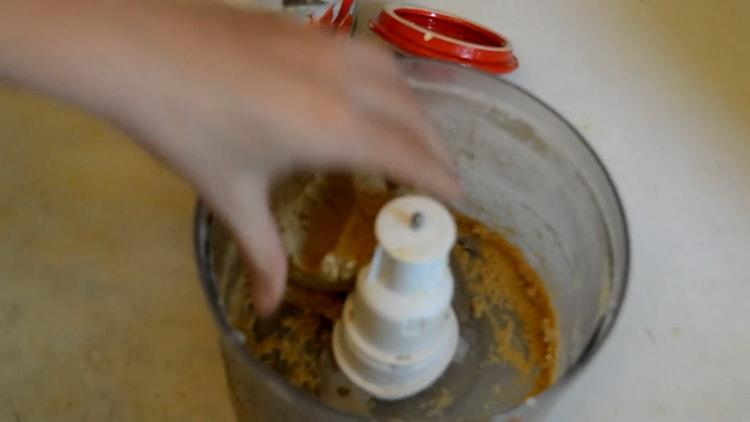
x,y
101,315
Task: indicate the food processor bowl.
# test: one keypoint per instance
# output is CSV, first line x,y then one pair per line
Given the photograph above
x,y
527,174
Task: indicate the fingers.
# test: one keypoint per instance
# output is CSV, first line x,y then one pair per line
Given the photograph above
x,y
250,218
385,147
393,101
378,129
370,58
381,89
355,86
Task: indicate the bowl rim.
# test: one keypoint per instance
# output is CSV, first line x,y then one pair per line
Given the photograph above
x,y
204,218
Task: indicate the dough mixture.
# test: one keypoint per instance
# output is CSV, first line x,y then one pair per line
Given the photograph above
x,y
327,225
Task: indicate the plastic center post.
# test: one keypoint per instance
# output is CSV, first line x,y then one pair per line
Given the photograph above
x,y
398,332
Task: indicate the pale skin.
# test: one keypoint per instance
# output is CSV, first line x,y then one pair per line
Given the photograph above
x,y
230,100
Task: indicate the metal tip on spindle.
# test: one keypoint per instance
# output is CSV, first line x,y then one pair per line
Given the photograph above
x,y
417,219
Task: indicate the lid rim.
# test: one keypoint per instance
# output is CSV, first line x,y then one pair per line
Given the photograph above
x,y
390,9
405,45
413,38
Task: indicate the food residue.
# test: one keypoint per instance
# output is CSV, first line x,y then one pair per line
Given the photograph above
x,y
510,296
327,223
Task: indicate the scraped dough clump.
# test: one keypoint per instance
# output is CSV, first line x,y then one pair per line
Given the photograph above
x,y
327,226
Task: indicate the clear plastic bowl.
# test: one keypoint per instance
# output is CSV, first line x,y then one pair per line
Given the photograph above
x,y
528,174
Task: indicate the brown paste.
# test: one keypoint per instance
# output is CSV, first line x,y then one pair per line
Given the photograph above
x,y
340,225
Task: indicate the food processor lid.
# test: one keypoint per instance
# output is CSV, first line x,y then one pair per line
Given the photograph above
x,y
439,35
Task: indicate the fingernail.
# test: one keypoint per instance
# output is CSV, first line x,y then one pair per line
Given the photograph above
x,y
264,302
450,187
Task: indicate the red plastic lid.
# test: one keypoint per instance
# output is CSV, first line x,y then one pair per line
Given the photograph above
x,y
339,16
438,35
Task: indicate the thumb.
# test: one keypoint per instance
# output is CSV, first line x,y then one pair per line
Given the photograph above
x,y
250,219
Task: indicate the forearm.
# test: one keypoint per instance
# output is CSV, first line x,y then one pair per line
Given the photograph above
x,y
77,50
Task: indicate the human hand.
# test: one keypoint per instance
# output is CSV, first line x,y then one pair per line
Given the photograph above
x,y
233,100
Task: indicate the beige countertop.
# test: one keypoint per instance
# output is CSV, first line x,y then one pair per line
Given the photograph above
x,y
101,314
